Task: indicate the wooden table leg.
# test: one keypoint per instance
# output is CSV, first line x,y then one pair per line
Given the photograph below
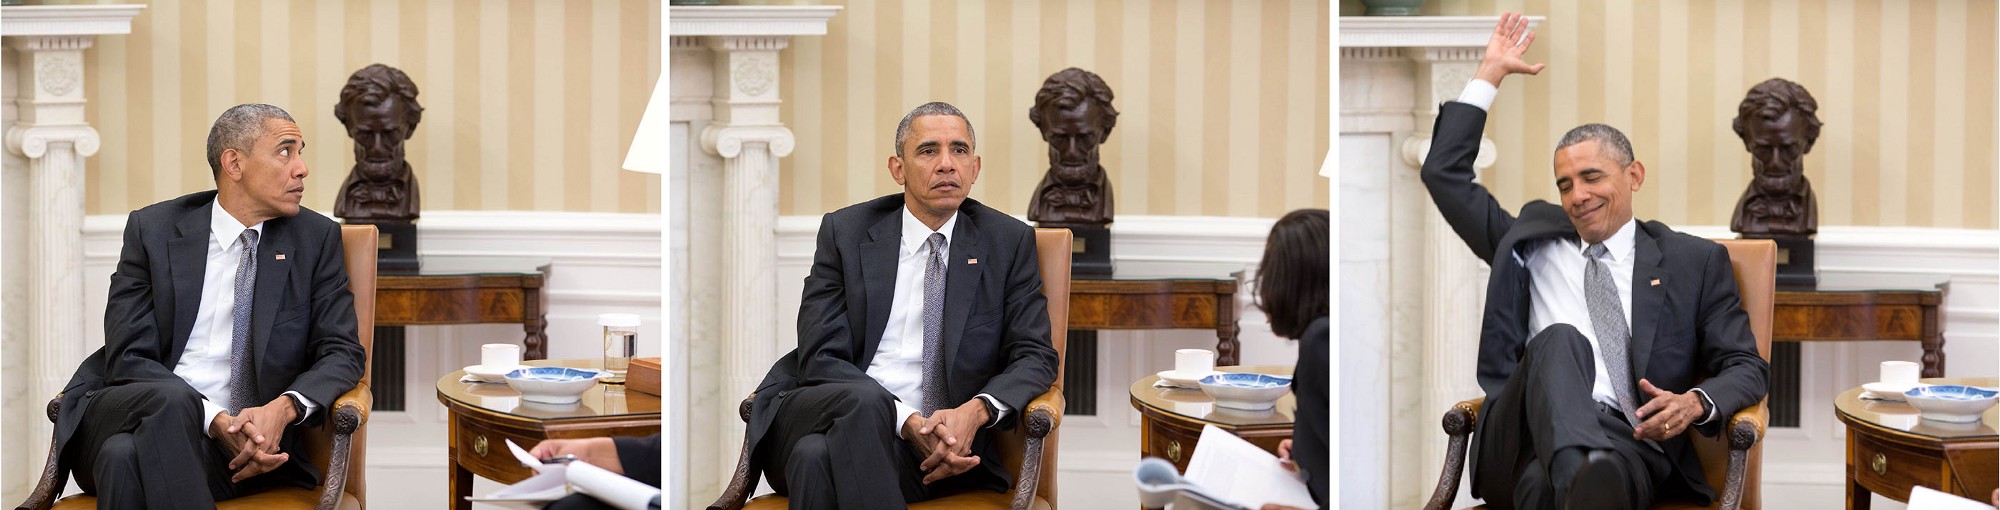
x,y
537,342
461,486
1858,497
1227,347
1933,360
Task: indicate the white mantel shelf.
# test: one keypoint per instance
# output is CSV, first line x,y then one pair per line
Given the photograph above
x,y
1418,31
749,20
34,20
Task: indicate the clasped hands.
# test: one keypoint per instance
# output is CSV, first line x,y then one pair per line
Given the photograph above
x,y
1667,415
252,437
947,438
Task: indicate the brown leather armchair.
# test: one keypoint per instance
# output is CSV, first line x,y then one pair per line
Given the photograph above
x,y
1028,450
1733,460
338,445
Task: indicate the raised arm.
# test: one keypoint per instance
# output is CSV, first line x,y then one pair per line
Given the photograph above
x,y
1448,171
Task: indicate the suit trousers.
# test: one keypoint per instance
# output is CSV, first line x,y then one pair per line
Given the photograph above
x,y
144,445
836,446
1541,428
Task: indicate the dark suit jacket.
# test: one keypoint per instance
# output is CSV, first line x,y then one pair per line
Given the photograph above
x,y
996,322
1691,324
1310,381
302,322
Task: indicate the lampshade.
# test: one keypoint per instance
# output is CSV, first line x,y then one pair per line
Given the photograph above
x,y
1325,165
649,146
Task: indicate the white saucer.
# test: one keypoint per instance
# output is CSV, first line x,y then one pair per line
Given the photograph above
x,y
1184,379
485,373
1886,391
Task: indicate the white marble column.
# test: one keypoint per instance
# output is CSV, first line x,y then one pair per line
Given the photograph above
x,y
747,135
49,131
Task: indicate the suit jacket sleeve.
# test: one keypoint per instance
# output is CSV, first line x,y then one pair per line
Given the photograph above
x,y
1448,174
1728,347
337,354
134,346
1031,360
826,351
640,456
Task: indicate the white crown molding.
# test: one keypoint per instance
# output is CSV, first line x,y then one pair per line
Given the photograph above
x,y
1419,31
47,20
749,20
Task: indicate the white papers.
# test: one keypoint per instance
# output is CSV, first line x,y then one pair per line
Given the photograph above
x,y
611,488
1926,498
553,481
1240,473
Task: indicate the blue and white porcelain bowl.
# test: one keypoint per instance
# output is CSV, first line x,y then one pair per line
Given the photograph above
x,y
553,385
1249,392
1951,403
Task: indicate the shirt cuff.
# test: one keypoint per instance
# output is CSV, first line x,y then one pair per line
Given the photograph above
x,y
1002,408
210,409
1480,94
1711,407
310,406
903,412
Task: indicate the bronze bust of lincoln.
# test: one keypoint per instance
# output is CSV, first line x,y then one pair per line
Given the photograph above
x,y
1778,122
1073,111
380,110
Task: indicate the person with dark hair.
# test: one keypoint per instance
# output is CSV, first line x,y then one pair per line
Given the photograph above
x,y
922,324
1605,339
1292,289
229,325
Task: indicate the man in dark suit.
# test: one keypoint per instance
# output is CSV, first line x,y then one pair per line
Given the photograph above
x,y
229,325
1599,328
922,324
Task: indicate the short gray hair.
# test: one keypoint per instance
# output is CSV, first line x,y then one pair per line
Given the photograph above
x,y
1611,139
237,128
928,109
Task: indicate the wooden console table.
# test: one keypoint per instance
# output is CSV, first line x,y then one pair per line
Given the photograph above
x,y
1849,306
1159,303
469,290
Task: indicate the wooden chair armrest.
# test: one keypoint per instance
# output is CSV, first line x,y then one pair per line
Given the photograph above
x,y
350,411
1041,418
50,484
1458,423
1044,414
740,483
1746,428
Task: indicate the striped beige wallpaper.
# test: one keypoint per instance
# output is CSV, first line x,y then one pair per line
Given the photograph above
x,y
1905,89
1223,105
527,105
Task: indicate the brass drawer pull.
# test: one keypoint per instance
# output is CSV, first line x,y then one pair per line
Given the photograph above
x,y
479,445
1880,464
1174,451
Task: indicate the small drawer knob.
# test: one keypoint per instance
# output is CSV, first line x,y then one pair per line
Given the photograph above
x,y
479,445
1174,451
1880,464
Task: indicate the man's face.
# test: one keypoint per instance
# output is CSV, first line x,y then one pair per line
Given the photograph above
x,y
272,175
378,131
1776,144
937,167
1596,190
1073,135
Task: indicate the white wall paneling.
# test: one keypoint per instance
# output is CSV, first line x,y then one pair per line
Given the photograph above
x,y
599,263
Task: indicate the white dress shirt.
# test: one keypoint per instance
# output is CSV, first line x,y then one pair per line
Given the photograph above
x,y
1555,269
205,362
899,360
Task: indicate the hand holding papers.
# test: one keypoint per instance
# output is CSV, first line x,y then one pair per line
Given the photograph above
x,y
552,481
1226,472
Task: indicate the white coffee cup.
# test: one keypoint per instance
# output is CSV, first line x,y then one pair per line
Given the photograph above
x,y
1899,373
1194,361
499,355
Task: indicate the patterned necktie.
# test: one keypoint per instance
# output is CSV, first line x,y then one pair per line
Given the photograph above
x,y
933,382
1607,316
242,366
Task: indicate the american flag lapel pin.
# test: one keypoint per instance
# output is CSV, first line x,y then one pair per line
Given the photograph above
x,y
1656,282
972,262
281,256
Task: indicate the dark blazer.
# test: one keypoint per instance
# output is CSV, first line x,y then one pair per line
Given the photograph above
x,y
996,322
1310,381
302,322
1691,322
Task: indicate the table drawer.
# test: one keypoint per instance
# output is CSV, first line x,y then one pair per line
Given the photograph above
x,y
1891,469
482,449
